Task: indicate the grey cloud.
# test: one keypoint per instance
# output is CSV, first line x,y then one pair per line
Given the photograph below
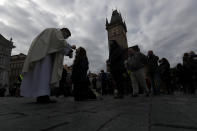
x,y
22,24
166,27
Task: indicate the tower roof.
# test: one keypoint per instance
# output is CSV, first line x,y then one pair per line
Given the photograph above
x,y
116,17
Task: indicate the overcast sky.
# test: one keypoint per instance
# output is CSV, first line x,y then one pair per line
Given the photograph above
x,y
168,27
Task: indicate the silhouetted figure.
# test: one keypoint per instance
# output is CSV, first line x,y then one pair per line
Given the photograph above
x,y
180,77
164,71
79,76
2,91
94,82
152,72
193,66
116,63
173,80
103,78
187,74
18,84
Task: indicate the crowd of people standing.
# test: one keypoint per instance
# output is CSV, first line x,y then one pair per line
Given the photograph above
x,y
130,71
152,75
145,74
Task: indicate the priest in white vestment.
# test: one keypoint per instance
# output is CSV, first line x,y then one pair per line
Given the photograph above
x,y
44,63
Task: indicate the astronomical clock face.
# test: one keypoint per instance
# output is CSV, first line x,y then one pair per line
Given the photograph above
x,y
115,31
124,32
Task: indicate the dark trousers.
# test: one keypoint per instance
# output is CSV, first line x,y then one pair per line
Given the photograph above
x,y
104,87
155,82
119,79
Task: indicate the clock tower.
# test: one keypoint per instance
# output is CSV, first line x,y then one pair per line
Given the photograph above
x,y
117,30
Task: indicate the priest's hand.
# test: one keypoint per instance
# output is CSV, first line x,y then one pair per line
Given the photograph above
x,y
73,47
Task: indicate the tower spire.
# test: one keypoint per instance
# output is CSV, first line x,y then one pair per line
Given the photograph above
x,y
107,23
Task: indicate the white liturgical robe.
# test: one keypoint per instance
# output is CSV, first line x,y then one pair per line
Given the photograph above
x,y
39,71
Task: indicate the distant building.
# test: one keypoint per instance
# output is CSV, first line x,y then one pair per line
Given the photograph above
x,y
117,29
5,53
16,66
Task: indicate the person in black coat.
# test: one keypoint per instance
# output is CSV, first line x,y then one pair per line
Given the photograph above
x,y
103,78
152,71
180,76
193,67
116,64
79,76
94,82
164,71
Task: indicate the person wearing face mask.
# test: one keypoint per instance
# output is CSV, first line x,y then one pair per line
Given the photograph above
x,y
43,66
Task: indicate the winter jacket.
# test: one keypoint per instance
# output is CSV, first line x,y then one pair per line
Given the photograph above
x,y
136,61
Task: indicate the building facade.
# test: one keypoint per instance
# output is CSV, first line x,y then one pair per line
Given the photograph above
x,y
116,30
16,66
5,54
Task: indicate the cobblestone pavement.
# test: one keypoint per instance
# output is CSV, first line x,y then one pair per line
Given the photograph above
x,y
161,113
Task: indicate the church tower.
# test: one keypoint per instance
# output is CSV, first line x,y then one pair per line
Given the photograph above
x,y
117,29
